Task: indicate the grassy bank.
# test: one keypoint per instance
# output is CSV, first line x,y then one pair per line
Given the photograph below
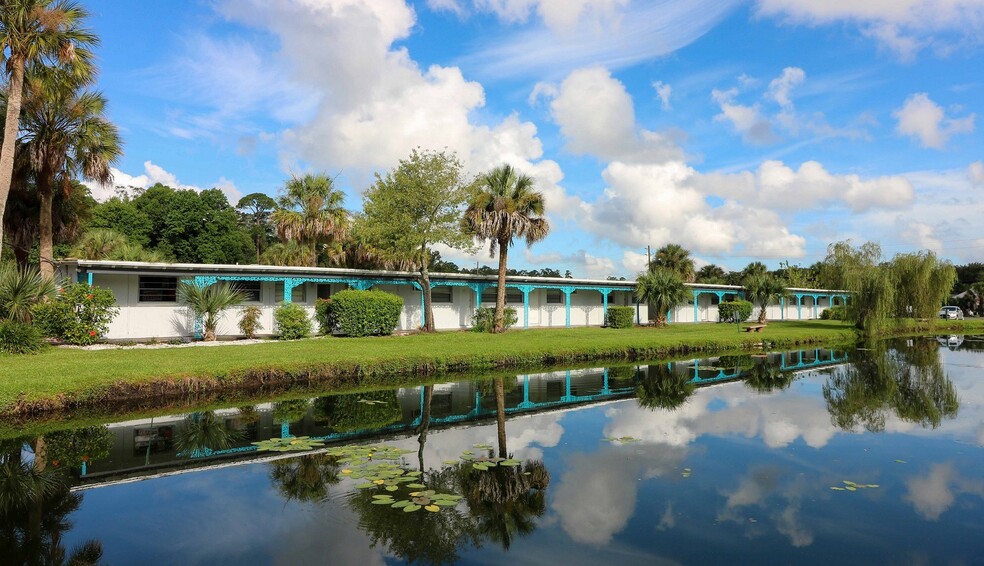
x,y
60,379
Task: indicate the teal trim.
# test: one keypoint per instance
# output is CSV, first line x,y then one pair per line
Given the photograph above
x,y
89,278
567,302
696,301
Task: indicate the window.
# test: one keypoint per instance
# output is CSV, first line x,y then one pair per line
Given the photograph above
x,y
441,295
297,295
158,289
555,297
324,291
512,295
252,290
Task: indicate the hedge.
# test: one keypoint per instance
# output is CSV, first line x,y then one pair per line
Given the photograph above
x,y
484,318
620,317
838,312
291,321
735,311
359,313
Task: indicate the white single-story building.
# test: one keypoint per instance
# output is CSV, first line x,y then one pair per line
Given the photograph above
x,y
146,294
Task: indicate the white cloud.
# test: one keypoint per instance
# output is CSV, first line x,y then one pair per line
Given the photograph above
x,y
925,120
454,6
580,33
903,26
596,116
583,263
663,92
781,86
746,120
152,175
976,173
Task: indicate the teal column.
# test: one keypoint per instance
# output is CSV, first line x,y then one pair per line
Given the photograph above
x,y
604,387
669,315
567,391
696,368
696,300
89,277
604,306
567,305
526,307
478,297
85,468
288,290
782,308
285,430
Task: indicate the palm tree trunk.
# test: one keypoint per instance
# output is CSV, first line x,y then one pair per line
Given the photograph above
x,y
10,127
46,258
762,313
425,418
500,294
660,320
500,415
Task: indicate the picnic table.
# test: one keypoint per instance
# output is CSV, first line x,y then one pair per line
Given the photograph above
x,y
754,328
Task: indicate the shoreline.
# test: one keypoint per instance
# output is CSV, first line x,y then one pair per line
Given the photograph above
x,y
72,380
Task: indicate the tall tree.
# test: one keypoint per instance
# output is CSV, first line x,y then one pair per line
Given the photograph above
x,y
677,259
504,206
311,212
764,290
924,283
754,268
42,32
414,207
859,271
66,135
255,211
710,273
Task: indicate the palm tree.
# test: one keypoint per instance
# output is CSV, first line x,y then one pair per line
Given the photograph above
x,y
289,254
305,478
503,207
505,501
70,212
754,268
20,289
210,302
37,32
65,135
662,290
311,213
204,431
98,243
675,258
764,290
661,388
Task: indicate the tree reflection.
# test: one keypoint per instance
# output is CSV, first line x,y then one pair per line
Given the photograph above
x,y
35,503
765,377
204,432
505,501
358,411
305,478
659,387
908,381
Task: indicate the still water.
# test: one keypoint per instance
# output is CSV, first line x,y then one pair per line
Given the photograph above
x,y
806,457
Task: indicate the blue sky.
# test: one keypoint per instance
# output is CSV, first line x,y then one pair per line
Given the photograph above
x,y
763,129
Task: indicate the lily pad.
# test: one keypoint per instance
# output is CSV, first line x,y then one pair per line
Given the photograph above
x,y
416,485
432,508
411,508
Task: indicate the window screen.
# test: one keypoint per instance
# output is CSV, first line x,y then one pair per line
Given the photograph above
x,y
158,289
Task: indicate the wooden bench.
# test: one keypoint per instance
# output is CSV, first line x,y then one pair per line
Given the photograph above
x,y
754,328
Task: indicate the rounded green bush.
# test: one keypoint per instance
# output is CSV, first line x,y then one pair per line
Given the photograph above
x,y
79,315
360,313
291,322
620,317
19,338
735,311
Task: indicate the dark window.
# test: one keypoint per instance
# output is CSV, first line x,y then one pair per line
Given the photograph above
x,y
324,291
158,289
715,300
441,295
513,296
251,289
555,297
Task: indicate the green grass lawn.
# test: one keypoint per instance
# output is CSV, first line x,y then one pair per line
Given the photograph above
x,y
59,377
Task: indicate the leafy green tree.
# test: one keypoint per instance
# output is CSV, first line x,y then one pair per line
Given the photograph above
x,y
66,134
764,290
256,212
305,478
37,32
71,211
310,212
121,215
661,388
799,277
923,283
210,302
204,431
194,227
754,268
505,501
859,271
710,273
765,377
505,205
414,207
677,259
662,289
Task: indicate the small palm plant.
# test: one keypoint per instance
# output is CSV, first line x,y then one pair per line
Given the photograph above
x,y
764,290
20,289
662,289
210,302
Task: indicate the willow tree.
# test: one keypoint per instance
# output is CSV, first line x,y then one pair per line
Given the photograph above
x,y
924,283
311,213
37,32
414,207
860,271
504,206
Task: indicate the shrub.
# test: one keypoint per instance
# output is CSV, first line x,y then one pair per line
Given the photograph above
x,y
249,321
360,313
620,317
19,338
324,315
735,311
838,312
484,319
291,321
80,314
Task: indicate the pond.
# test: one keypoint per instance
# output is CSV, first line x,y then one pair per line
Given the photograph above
x,y
805,457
